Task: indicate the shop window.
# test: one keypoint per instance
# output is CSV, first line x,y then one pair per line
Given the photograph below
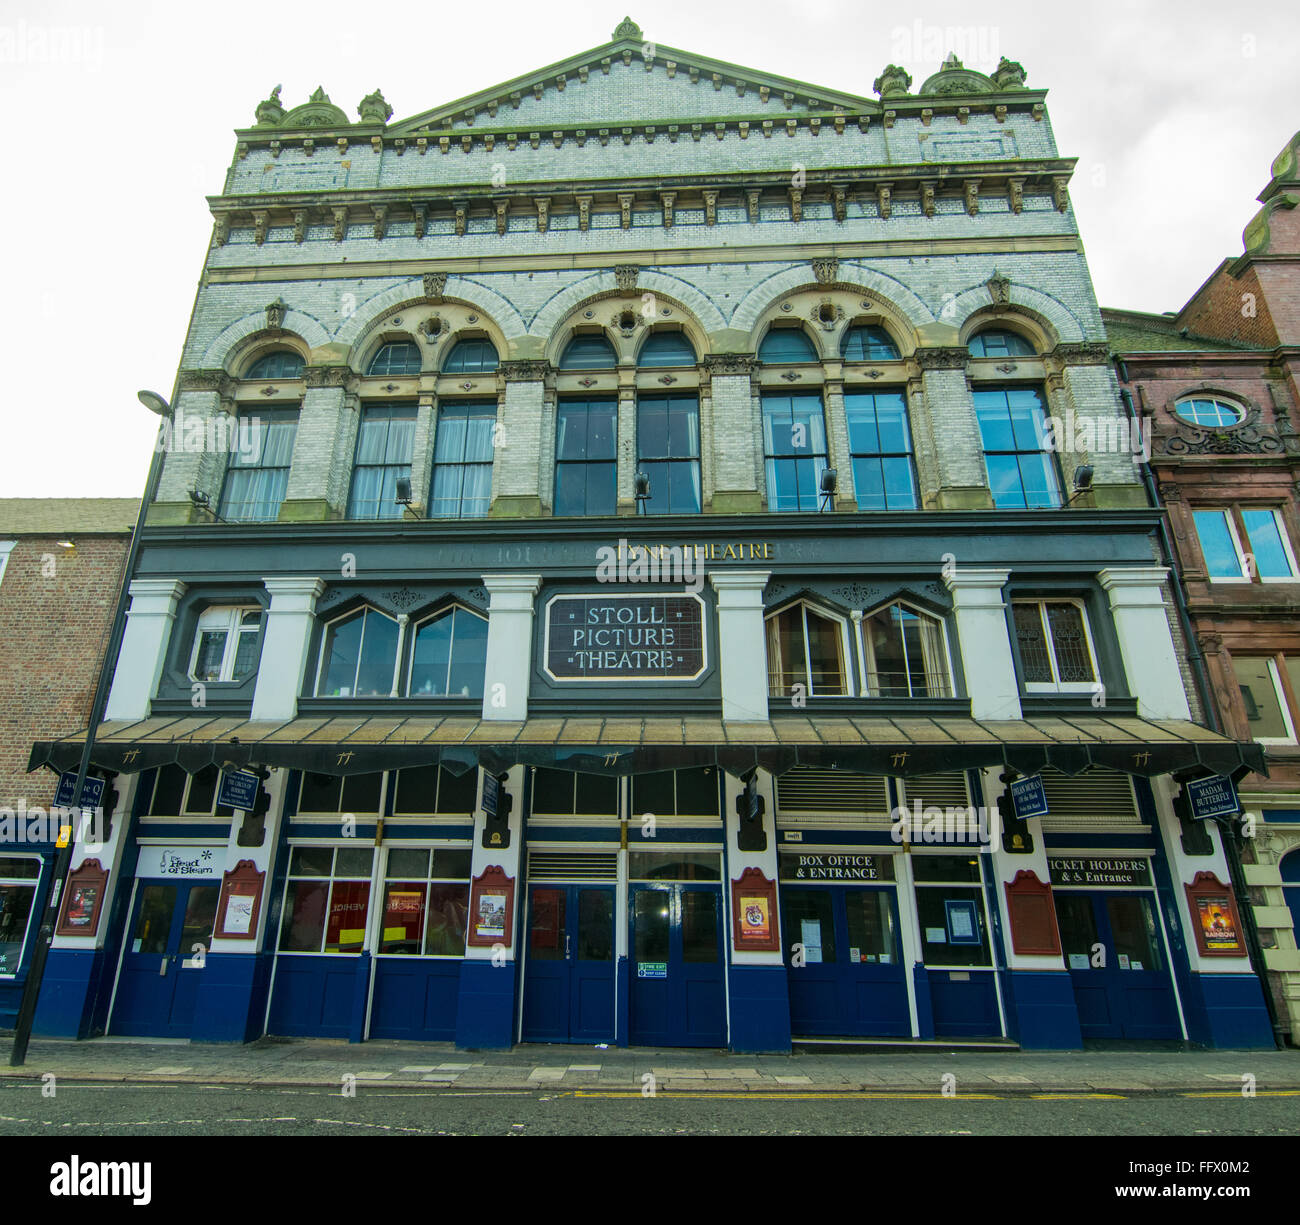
x,y
327,900
999,342
225,644
567,793
794,450
435,789
588,351
950,910
1056,653
905,654
808,921
1266,555
884,477
1021,468
359,657
426,902
384,447
668,452
462,461
176,793
787,344
666,349
473,356
867,343
19,875
280,364
1271,714
449,656
258,474
676,793
586,439
805,648
330,793
1210,412
397,358
674,865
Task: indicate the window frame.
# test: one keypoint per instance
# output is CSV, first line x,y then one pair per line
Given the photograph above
x,y
448,610
22,882
184,812
389,413
1234,513
1049,455
386,880
846,649
999,330
362,610
769,472
656,337
863,652
266,357
564,367
853,329
811,359
467,409
1220,401
269,417
563,405
1057,685
1290,713
230,652
384,349
446,367
667,462
881,455
332,878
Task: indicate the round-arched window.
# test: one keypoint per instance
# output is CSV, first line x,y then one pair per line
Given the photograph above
x,y
666,349
786,344
473,356
868,343
279,364
396,358
588,351
999,342
1210,412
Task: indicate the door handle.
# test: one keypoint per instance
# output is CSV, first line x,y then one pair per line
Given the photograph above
x,y
567,940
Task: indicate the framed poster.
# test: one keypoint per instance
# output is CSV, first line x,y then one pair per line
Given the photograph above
x,y
491,908
1032,915
962,920
240,902
753,913
83,899
1215,921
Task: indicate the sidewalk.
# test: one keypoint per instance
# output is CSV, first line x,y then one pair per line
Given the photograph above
x,y
316,1062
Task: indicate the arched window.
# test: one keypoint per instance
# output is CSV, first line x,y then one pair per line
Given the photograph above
x,y
358,657
1212,412
868,343
449,656
588,351
475,356
904,654
280,364
805,648
998,342
396,358
667,349
786,345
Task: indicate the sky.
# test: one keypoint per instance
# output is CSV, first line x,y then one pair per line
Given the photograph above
x,y
119,122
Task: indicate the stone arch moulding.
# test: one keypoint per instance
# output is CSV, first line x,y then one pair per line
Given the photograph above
x,y
974,307
605,307
226,345
494,309
893,297
697,307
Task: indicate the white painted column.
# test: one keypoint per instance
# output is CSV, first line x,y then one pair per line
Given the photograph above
x,y
1142,626
289,624
767,862
509,644
741,648
981,613
149,623
508,859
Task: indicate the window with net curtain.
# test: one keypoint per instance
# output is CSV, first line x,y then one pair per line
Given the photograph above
x,y
462,461
668,452
384,446
449,656
804,648
904,654
358,656
258,475
794,450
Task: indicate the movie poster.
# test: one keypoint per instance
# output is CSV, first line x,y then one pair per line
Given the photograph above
x,y
1217,926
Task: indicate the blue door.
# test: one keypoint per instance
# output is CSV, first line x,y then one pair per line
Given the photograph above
x,y
569,976
677,995
1118,965
156,991
844,962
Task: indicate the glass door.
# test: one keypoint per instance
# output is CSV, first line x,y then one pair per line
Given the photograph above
x,y
569,984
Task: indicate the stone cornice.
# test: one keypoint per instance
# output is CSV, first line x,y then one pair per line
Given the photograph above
x,y
731,363
1082,353
329,376
206,380
525,371
942,358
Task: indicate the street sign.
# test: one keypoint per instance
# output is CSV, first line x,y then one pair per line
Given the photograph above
x,y
238,790
491,794
92,790
1029,797
1212,797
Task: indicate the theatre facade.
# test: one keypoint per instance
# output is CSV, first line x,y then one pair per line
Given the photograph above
x,y
639,598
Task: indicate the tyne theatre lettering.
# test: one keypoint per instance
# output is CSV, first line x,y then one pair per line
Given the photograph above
x,y
621,638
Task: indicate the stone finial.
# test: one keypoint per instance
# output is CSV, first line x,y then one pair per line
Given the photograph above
x,y
951,62
373,108
894,80
1009,75
627,28
270,112
275,315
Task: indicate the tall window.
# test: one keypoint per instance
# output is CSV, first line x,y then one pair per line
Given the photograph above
x,y
785,345
998,342
176,793
904,654
588,351
472,356
281,364
327,900
585,457
449,656
668,452
866,343
805,648
384,445
794,450
257,478
225,644
18,878
426,902
666,349
398,357
1013,427
1056,654
1272,714
1267,555
462,461
881,445
358,657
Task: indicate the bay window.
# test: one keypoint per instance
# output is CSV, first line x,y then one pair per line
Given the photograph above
x,y
904,653
358,656
225,644
449,656
805,648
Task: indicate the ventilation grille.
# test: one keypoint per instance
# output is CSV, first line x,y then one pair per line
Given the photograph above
x,y
937,791
557,865
1095,797
853,798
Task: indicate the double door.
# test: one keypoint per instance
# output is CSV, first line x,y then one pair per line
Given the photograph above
x,y
569,983
167,940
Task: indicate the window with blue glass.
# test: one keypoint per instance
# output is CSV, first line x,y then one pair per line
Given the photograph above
x,y
999,342
1013,428
462,461
588,351
281,364
258,474
666,349
449,656
794,450
398,357
787,344
881,445
668,452
1212,412
586,437
384,447
1245,544
472,356
868,343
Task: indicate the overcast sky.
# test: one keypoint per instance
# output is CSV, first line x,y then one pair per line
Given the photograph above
x,y
1174,109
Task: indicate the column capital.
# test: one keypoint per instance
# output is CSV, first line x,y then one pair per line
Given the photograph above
x,y
975,588
733,586
312,587
1117,577
512,590
160,591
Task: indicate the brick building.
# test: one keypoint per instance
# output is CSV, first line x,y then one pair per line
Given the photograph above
x,y
61,565
1219,383
616,512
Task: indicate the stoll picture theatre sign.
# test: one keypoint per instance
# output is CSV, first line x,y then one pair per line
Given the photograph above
x,y
625,638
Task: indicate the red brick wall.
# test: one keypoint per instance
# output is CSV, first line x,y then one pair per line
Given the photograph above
x,y
1222,311
53,634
